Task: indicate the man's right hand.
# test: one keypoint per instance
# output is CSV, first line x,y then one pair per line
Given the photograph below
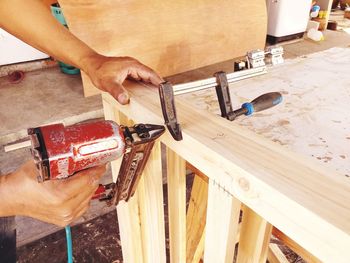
x,y
109,73
58,202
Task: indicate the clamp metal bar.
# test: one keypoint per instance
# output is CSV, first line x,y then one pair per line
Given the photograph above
x,y
211,82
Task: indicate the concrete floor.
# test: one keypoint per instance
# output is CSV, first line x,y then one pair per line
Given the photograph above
x,y
47,96
42,97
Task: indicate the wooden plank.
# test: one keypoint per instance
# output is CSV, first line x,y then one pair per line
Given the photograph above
x,y
197,172
307,256
198,253
196,219
272,180
254,238
176,177
222,224
130,232
169,36
141,220
150,194
128,213
275,255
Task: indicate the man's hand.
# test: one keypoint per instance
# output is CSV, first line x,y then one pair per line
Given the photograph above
x,y
58,201
109,73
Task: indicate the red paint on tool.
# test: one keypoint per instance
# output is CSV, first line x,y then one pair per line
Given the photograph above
x,y
102,141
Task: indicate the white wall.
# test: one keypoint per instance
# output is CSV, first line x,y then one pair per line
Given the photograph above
x,y
13,50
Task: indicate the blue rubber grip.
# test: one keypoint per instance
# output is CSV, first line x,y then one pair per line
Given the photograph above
x,y
249,107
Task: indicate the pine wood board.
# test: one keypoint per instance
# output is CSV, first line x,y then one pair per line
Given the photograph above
x,y
222,223
272,180
196,220
197,211
275,255
254,238
295,247
169,36
128,212
150,194
176,182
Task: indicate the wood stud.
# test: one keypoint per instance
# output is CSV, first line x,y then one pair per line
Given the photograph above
x,y
254,238
176,178
222,224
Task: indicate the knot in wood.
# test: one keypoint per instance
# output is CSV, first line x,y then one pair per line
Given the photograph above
x,y
244,184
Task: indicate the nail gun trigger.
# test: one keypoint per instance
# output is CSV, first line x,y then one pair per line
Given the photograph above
x,y
102,193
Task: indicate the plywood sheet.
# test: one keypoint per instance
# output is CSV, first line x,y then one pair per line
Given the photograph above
x,y
313,119
169,36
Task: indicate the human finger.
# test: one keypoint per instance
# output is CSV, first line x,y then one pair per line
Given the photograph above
x,y
85,180
118,92
145,74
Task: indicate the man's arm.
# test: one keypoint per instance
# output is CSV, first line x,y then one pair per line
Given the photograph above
x,y
32,22
57,201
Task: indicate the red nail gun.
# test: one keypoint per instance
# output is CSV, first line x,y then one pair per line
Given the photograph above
x,y
61,151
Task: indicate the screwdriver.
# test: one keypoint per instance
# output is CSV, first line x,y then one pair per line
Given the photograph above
x,y
260,103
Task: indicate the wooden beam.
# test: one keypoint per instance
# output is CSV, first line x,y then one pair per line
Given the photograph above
x,y
176,177
197,249
254,238
306,255
152,208
222,224
198,254
128,213
130,232
197,172
275,255
196,220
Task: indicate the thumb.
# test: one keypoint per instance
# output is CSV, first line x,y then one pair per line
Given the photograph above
x,y
119,93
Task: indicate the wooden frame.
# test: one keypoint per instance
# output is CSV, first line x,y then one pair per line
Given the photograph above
x,y
306,201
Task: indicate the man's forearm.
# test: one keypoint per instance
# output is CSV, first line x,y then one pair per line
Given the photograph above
x,y
36,26
32,22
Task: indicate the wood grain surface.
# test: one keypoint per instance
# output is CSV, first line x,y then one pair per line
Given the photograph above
x,y
313,119
169,36
306,200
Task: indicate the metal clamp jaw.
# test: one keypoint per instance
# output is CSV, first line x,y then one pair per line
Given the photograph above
x,y
167,102
139,140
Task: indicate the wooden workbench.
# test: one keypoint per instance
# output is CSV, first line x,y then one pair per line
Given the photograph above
x,y
241,166
313,119
273,179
